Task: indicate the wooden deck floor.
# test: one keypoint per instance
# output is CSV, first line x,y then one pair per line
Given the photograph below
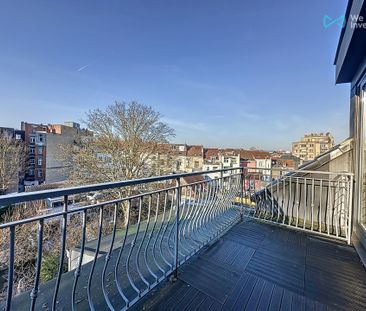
x,y
257,266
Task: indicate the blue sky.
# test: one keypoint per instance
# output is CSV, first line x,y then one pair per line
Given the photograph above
x,y
222,73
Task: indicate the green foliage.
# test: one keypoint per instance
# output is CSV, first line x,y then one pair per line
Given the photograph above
x,y
49,266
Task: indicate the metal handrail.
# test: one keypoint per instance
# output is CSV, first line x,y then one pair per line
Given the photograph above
x,y
171,225
164,241
52,193
298,171
93,206
321,205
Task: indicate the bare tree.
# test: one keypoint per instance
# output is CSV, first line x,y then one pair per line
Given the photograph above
x,y
125,138
12,159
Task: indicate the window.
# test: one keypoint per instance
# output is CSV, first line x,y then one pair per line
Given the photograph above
x,y
31,172
40,150
32,139
31,161
40,161
31,150
39,174
18,136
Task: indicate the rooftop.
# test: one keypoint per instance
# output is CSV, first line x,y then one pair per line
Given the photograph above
x,y
208,243
256,266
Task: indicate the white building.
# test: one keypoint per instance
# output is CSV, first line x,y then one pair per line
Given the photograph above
x,y
262,164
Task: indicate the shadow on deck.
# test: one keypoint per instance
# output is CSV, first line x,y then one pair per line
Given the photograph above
x,y
257,266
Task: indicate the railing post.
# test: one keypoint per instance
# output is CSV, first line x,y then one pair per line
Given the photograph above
x,y
62,251
221,175
241,194
350,213
176,259
11,268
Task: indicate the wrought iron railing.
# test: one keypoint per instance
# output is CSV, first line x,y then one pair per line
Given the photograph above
x,y
315,201
111,252
108,251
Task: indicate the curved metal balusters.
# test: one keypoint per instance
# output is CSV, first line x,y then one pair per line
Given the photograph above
x,y
34,292
80,261
137,263
165,227
108,257
96,253
62,254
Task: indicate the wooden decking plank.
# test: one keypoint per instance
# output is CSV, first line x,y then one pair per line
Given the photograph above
x,y
286,303
255,296
229,303
266,297
245,293
276,299
260,267
210,278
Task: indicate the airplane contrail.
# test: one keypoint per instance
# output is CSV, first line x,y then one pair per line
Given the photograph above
x,y
84,67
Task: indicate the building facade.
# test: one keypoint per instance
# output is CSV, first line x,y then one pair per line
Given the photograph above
x,y
350,65
312,145
35,142
59,137
45,162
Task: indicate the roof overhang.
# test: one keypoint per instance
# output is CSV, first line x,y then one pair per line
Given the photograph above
x,y
351,48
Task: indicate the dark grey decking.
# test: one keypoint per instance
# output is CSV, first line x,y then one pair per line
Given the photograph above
x,y
257,266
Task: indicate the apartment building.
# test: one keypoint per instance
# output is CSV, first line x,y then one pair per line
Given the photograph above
x,y
312,145
44,143
230,158
58,138
168,158
194,158
284,162
35,141
12,133
190,158
261,160
176,158
215,158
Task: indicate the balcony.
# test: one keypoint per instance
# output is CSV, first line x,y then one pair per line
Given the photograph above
x,y
244,240
256,266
